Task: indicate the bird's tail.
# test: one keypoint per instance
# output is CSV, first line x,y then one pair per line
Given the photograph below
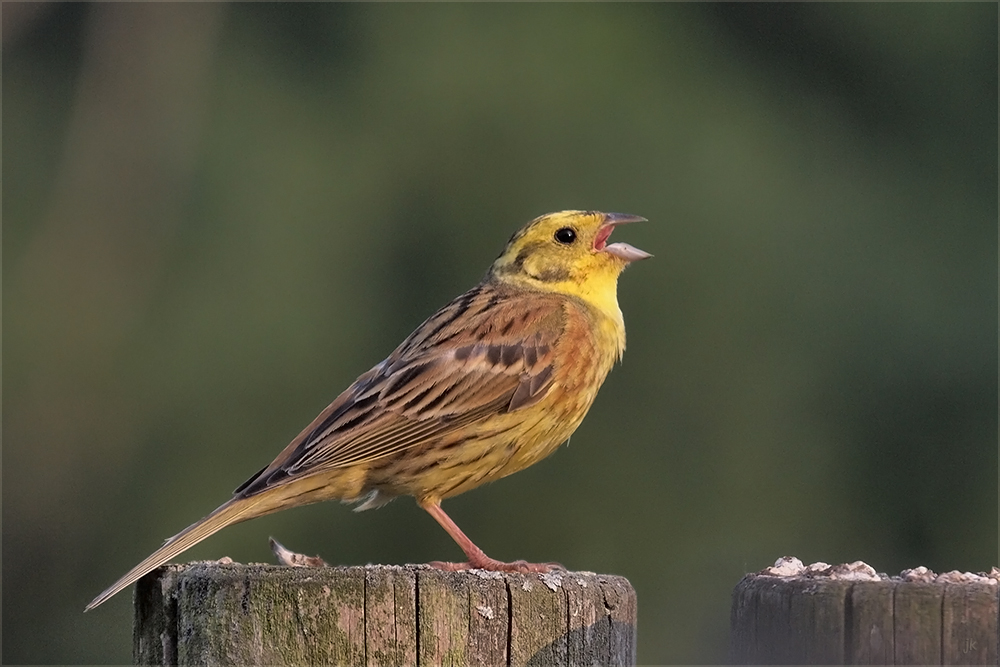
x,y
234,511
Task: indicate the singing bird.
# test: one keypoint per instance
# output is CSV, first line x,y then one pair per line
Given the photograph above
x,y
490,384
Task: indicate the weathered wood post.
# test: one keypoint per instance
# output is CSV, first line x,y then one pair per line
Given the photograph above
x,y
212,613
848,614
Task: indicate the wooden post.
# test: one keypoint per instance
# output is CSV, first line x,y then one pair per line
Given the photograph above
x,y
807,619
212,613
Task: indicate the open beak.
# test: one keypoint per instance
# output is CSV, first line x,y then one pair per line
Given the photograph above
x,y
621,250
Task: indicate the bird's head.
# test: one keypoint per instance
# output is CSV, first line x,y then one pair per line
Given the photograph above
x,y
568,252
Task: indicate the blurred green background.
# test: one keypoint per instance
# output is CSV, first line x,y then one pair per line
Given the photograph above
x,y
217,216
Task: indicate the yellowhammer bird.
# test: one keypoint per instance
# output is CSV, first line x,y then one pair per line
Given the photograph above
x,y
492,383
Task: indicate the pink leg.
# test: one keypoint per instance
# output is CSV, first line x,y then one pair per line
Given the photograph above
x,y
477,559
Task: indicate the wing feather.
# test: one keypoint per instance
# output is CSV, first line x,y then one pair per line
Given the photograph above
x,y
483,354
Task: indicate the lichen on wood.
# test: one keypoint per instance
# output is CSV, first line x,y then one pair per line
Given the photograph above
x,y
223,613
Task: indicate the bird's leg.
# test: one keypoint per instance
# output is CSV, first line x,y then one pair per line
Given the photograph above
x,y
478,560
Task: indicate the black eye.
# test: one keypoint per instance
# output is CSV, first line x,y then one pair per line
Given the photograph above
x,y
565,235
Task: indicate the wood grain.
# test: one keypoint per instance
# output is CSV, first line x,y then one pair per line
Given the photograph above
x,y
220,614
822,620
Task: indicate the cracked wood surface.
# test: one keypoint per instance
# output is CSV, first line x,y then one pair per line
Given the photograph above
x,y
212,613
802,620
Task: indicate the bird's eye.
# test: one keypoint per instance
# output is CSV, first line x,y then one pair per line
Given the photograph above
x,y
565,235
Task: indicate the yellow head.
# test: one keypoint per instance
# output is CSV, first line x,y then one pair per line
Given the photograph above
x,y
568,252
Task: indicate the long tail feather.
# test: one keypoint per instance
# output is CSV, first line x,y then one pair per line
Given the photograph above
x,y
234,511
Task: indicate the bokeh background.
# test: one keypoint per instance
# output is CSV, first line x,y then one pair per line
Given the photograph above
x,y
217,215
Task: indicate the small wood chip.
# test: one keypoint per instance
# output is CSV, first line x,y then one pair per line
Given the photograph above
x,y
290,558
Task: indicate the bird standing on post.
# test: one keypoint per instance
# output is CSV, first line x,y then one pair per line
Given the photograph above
x,y
490,384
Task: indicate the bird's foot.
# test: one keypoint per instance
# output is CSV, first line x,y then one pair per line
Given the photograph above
x,y
492,565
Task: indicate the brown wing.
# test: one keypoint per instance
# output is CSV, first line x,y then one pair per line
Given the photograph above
x,y
485,353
